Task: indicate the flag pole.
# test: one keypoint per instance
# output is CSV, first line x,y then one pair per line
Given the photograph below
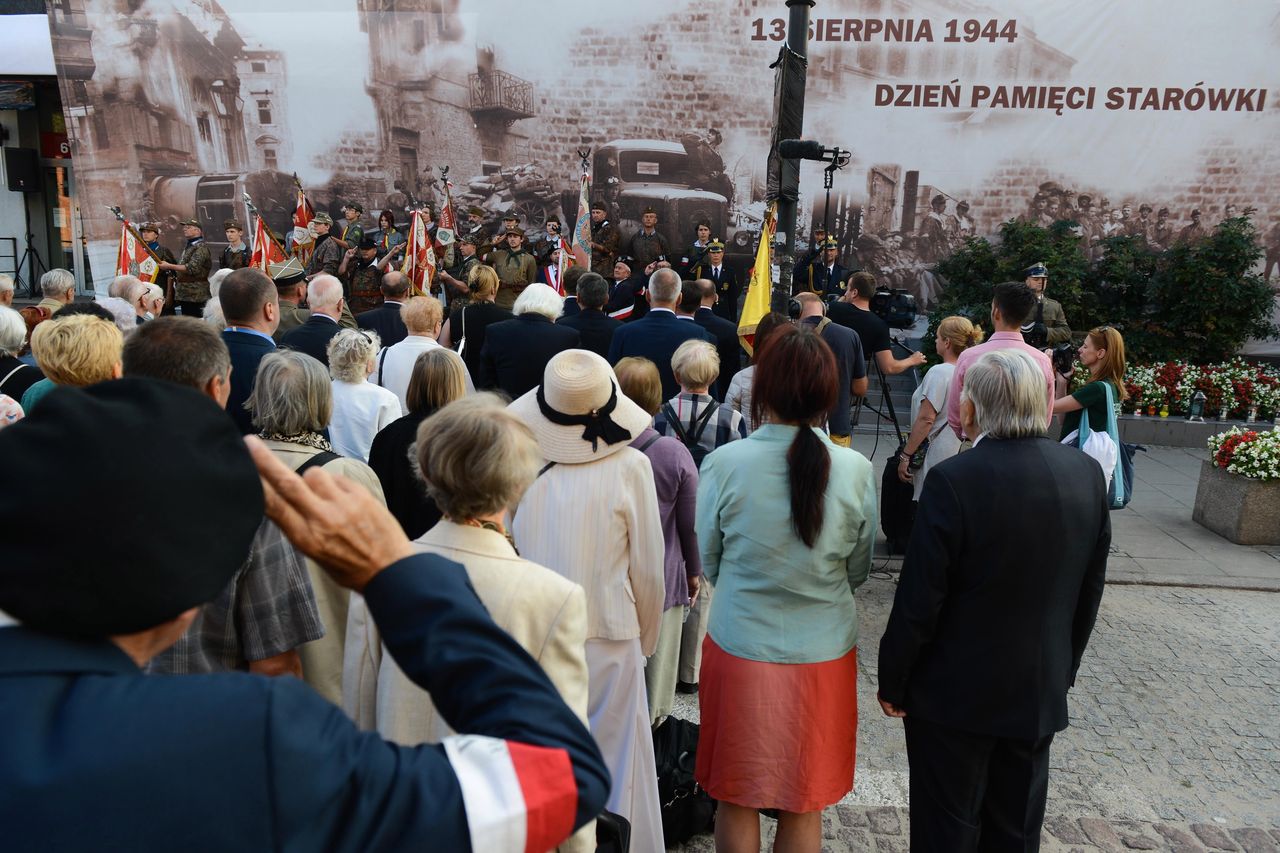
x,y
248,202
132,231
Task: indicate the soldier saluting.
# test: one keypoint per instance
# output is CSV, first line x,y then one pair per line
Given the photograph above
x,y
192,288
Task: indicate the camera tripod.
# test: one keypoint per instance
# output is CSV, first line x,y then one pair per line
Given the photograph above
x,y
30,255
886,410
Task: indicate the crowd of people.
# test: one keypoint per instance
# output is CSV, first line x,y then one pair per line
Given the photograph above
x,y
501,529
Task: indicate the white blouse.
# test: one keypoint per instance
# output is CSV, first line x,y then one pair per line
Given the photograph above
x,y
360,411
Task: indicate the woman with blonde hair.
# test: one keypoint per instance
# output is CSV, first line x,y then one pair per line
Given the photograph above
x,y
360,409
477,459
1102,354
676,477
438,378
75,350
466,327
929,405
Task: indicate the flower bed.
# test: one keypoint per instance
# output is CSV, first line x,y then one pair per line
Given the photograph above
x,y
1242,388
1247,452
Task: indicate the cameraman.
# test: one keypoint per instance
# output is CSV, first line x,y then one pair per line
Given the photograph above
x,y
853,311
1047,325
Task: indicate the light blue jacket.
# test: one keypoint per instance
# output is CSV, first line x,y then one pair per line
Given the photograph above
x,y
777,600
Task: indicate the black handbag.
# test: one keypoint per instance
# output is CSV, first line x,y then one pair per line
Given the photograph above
x,y
687,809
613,833
897,509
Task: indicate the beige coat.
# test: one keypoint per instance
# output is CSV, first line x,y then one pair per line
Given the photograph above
x,y
542,611
322,658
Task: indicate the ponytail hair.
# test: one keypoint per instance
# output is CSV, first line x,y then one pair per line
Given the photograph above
x,y
961,332
796,382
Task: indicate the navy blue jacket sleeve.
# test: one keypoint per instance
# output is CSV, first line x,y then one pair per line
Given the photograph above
x,y
338,789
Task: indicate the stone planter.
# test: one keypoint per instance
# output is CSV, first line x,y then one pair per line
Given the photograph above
x,y
1245,511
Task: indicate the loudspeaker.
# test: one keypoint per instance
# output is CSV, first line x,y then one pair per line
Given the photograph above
x,y
22,170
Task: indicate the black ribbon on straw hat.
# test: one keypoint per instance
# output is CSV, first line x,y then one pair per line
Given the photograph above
x,y
597,422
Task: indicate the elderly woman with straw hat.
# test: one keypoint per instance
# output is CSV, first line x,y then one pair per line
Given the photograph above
x,y
592,516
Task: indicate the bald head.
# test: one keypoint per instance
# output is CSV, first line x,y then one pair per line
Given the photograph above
x,y
707,291
121,285
395,285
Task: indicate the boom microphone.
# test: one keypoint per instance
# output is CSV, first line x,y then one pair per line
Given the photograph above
x,y
801,149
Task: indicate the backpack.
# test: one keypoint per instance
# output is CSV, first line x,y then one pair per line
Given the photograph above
x,y
33,315
692,437
686,808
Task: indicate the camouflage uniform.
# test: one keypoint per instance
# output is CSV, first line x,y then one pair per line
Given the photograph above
x,y
363,283
235,259
325,257
648,248
193,285
603,259
516,271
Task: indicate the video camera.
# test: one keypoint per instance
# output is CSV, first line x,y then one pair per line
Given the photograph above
x,y
895,307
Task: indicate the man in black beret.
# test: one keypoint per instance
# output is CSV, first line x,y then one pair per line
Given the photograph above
x,y
97,756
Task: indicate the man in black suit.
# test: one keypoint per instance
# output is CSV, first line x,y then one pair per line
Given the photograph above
x,y
595,328
324,295
727,286
516,352
657,336
628,298
997,598
252,311
572,276
385,319
724,331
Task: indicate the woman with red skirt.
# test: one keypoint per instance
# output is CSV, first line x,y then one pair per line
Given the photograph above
x,y
786,524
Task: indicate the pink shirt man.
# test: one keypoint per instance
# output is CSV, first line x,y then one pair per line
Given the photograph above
x,y
998,340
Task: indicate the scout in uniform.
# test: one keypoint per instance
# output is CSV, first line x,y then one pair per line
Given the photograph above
x,y
150,233
515,267
352,230
191,290
604,240
362,276
648,247
236,255
694,260
326,255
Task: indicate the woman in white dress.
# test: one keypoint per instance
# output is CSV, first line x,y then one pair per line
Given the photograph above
x,y
360,409
592,516
929,404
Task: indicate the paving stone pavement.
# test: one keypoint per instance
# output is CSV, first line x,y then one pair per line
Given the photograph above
x,y
1174,741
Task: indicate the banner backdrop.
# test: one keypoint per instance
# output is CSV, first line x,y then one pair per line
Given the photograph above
x,y
1147,116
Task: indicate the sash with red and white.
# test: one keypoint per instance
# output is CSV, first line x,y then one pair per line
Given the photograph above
x,y
518,797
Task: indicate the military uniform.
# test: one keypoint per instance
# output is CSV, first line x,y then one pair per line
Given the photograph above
x,y
192,288
325,258
603,258
165,279
1192,233
1050,313
235,259
694,263
934,241
648,248
363,284
516,270
352,233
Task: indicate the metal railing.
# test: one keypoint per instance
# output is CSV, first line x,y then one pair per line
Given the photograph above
x,y
500,92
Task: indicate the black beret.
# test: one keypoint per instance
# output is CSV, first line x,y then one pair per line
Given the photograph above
x,y
117,546
366,243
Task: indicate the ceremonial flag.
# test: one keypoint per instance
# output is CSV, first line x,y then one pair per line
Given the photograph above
x,y
447,225
760,290
265,250
134,258
303,240
581,246
419,257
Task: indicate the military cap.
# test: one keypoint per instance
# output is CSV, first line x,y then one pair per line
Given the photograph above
x,y
938,199
599,204
470,240
98,583
964,205
553,218
366,243
287,272
150,226
193,222
1038,270
354,205
228,224
648,210
819,229
511,231
1195,212
1164,211
474,211
323,219
1146,208
510,216
1083,197
830,243
715,246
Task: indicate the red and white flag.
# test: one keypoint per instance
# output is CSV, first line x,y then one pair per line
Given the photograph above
x,y
518,798
447,224
134,258
419,257
581,245
265,250
304,240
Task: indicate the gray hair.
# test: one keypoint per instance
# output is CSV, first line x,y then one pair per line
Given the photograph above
x,y
541,299
121,284
213,314
291,394
215,280
324,291
153,293
6,283
13,331
476,457
664,286
126,317
1007,389
57,282
351,352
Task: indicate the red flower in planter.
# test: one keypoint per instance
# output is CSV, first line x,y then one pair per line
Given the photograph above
x,y
1225,453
